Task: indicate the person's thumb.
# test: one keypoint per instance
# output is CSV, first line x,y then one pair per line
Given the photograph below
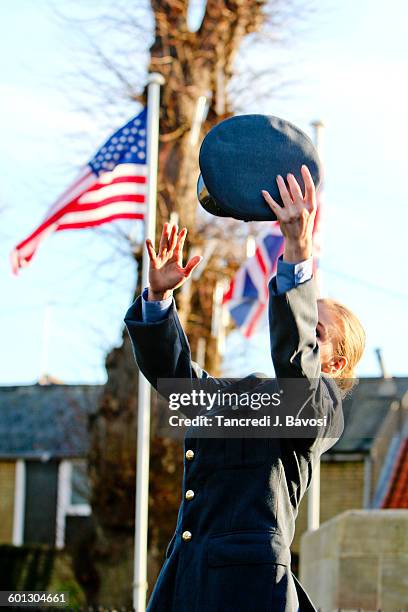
x,y
192,264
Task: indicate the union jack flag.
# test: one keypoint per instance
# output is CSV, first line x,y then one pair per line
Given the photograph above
x,y
112,185
247,295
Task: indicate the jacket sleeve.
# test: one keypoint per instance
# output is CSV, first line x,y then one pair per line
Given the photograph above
x,y
161,349
292,325
295,354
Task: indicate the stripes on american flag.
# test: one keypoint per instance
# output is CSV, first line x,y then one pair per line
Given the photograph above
x,y
111,186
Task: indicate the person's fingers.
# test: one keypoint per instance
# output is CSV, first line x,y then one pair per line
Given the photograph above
x,y
151,252
191,265
295,190
178,251
276,208
310,189
173,237
164,238
283,190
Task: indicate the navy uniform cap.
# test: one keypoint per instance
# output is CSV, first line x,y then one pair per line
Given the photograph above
x,y
242,155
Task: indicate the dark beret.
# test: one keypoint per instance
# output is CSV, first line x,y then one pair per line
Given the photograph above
x,y
242,155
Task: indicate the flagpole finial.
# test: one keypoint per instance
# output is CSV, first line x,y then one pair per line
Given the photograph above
x,y
318,128
156,77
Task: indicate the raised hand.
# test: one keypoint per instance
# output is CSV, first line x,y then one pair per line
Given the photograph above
x,y
166,270
296,216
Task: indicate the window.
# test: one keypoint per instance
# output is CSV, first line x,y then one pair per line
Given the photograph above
x,y
80,489
73,494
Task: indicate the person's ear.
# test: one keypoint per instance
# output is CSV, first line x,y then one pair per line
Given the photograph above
x,y
336,365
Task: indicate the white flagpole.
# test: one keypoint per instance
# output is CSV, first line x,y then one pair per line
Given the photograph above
x,y
313,497
45,351
143,423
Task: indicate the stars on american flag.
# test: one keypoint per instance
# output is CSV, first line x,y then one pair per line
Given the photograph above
x,y
127,145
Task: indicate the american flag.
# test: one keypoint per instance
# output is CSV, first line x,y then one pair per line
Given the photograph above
x,y
112,185
247,295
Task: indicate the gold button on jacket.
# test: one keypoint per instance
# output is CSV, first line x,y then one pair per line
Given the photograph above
x,y
186,535
189,494
189,455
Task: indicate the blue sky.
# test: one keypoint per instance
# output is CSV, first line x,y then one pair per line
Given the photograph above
x,y
348,65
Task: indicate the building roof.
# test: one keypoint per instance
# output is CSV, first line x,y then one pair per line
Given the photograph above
x,y
46,420
365,410
397,494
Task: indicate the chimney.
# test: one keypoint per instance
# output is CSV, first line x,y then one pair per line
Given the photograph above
x,y
380,359
387,387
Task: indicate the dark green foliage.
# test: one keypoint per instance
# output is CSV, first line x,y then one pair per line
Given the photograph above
x,y
25,568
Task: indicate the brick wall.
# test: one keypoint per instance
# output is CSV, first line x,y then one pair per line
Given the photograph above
x,y
341,488
7,475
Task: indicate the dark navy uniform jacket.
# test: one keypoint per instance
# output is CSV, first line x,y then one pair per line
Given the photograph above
x,y
230,551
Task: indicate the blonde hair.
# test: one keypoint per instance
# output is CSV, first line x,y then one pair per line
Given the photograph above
x,y
348,341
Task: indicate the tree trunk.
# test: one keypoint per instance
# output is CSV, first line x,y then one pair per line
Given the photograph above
x,y
193,64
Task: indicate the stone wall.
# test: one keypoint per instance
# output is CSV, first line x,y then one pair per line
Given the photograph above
x,y
358,560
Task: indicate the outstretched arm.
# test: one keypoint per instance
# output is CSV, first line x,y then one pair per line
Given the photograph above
x,y
293,318
293,315
161,348
159,343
